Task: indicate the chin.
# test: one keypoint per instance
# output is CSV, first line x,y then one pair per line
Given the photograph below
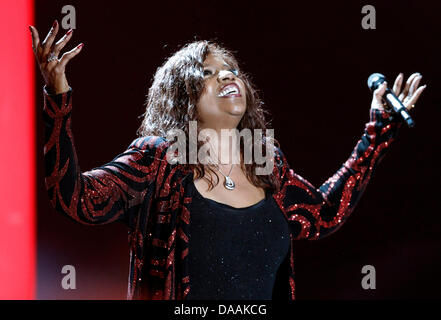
x,y
236,110
236,114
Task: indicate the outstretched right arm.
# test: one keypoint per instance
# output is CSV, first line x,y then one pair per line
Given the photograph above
x,y
104,194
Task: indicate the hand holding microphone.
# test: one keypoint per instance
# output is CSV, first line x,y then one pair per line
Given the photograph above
x,y
397,101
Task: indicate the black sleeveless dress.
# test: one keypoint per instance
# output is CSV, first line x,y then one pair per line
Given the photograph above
x,y
235,253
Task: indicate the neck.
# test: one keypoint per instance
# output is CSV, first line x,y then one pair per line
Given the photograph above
x,y
224,149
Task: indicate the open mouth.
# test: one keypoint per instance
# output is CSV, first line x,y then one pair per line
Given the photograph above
x,y
230,90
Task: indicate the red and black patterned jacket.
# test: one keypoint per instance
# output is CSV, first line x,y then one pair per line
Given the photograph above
x,y
140,188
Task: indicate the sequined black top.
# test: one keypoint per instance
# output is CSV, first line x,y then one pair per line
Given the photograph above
x,y
235,253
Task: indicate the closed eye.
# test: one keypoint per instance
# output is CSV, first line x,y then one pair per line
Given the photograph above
x,y
208,72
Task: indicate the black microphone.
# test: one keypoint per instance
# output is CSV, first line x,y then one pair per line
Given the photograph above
x,y
374,81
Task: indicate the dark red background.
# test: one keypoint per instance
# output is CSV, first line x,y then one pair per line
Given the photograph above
x,y
310,62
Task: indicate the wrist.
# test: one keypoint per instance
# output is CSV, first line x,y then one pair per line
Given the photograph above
x,y
53,92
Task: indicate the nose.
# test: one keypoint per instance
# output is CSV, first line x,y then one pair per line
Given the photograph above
x,y
225,75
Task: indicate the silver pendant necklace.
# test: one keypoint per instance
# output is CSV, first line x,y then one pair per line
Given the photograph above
x,y
228,183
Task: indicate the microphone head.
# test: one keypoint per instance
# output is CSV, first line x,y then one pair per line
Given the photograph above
x,y
375,80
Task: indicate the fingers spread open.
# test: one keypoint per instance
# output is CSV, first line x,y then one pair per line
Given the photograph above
x,y
70,54
397,84
414,85
407,86
49,40
36,47
62,42
414,97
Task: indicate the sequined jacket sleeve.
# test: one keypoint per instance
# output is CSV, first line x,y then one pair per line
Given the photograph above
x,y
315,213
102,195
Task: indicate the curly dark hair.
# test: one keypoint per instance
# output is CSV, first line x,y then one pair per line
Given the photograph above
x,y
172,98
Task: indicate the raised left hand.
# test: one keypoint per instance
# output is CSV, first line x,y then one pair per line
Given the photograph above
x,y
408,96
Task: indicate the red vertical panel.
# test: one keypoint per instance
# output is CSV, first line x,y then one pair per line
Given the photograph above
x,y
17,152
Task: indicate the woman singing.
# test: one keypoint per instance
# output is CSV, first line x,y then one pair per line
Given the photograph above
x,y
211,229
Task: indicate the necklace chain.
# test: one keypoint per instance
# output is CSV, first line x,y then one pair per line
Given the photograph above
x,y
228,183
218,168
